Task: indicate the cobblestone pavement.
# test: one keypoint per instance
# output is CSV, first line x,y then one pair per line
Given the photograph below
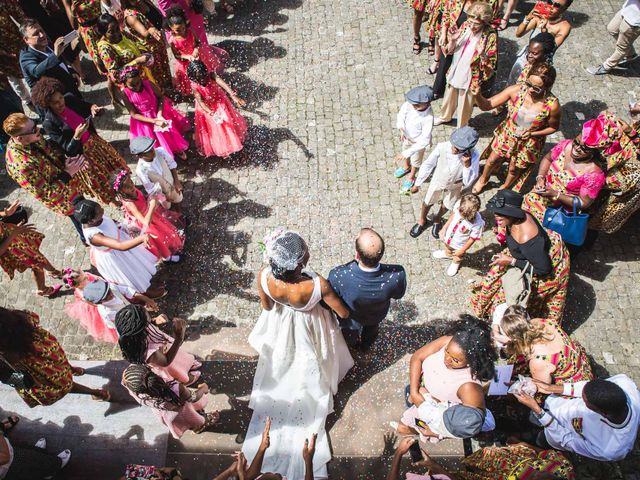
x,y
324,80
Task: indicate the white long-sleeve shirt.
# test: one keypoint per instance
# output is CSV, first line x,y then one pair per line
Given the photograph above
x,y
631,12
144,169
417,127
571,426
469,174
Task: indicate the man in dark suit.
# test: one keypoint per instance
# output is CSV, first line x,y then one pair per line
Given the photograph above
x,y
367,287
38,59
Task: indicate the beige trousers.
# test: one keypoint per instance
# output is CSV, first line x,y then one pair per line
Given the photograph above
x,y
459,103
625,35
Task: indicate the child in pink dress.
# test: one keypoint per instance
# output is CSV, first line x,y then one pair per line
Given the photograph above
x,y
220,130
195,19
166,241
177,407
186,47
153,114
142,342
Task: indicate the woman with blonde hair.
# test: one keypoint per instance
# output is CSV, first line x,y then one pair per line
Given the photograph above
x,y
475,55
543,348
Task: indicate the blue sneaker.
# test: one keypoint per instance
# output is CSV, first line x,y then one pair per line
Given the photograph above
x,y
400,172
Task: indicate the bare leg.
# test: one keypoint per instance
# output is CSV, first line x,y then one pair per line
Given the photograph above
x,y
53,271
38,277
417,24
76,67
492,162
424,211
84,390
438,216
513,175
113,92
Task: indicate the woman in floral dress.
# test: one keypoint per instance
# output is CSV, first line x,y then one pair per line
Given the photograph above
x,y
533,113
153,40
20,250
27,347
568,171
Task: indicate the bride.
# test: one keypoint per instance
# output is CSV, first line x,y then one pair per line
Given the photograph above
x,y
303,357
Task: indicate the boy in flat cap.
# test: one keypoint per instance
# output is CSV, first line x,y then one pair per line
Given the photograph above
x,y
456,165
157,170
415,122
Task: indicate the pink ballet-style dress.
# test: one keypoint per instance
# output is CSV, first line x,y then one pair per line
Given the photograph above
x,y
177,421
213,57
222,132
195,19
168,240
146,103
183,363
89,316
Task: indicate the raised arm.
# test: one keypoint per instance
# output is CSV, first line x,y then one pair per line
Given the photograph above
x,y
498,99
164,359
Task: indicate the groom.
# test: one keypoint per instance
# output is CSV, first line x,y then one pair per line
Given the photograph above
x,y
367,287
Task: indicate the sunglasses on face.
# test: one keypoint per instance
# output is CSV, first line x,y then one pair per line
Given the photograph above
x,y
555,4
32,131
534,88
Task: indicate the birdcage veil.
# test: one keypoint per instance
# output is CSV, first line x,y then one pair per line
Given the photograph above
x,y
284,249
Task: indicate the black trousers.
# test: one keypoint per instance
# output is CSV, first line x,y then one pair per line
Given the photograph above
x,y
32,463
358,335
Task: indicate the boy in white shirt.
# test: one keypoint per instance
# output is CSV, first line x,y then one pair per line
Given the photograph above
x,y
461,231
415,122
157,170
455,165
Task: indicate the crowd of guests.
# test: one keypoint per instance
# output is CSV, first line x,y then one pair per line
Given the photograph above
x,y
518,305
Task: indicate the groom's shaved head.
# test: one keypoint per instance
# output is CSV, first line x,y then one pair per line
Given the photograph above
x,y
370,247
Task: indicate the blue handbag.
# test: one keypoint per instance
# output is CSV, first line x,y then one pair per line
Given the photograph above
x,y
572,227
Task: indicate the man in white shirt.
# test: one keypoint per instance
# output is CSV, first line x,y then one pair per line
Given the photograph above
x,y
600,419
456,164
625,28
157,170
415,123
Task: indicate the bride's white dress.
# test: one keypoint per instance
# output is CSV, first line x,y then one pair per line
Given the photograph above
x,y
303,357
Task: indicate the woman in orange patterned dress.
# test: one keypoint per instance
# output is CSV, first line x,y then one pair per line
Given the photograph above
x,y
533,114
28,348
20,250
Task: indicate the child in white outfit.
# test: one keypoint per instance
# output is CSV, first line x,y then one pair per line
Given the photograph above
x,y
461,231
415,123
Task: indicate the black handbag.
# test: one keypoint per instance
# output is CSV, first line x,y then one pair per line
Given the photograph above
x,y
18,379
197,6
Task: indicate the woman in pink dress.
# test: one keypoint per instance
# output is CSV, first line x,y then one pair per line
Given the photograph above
x,y
220,130
142,342
153,114
187,47
166,241
195,19
178,407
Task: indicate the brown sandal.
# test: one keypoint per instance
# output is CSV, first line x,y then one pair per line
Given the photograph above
x,y
210,419
417,46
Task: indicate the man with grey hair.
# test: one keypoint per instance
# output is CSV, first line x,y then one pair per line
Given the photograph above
x,y
367,286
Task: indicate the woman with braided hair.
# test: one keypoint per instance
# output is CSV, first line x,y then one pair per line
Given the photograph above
x,y
178,407
142,342
303,357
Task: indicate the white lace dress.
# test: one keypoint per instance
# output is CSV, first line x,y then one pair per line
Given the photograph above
x,y
132,268
303,357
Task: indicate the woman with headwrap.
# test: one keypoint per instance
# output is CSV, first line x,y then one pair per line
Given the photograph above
x,y
142,342
303,357
177,406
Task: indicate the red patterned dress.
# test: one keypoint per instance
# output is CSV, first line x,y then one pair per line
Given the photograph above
x,y
49,367
86,12
23,252
515,462
506,141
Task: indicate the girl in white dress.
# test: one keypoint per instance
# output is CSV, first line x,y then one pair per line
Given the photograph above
x,y
118,257
303,357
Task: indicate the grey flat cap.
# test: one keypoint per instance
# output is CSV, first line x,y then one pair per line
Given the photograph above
x,y
140,145
462,421
95,291
421,94
464,138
